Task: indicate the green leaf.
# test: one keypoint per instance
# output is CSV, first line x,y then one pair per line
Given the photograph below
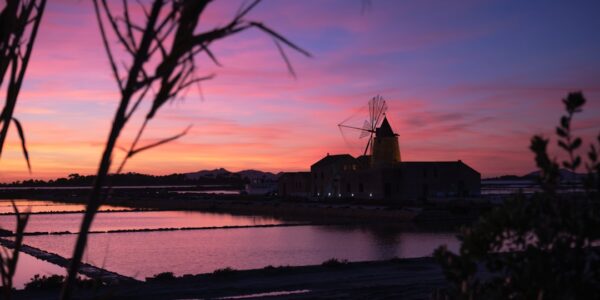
x,y
574,102
576,162
576,144
592,154
564,122
563,145
23,144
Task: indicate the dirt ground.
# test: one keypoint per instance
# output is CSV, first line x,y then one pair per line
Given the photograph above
x,y
395,279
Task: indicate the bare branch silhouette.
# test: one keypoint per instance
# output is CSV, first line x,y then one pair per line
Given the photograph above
x,y
167,37
19,24
8,261
23,144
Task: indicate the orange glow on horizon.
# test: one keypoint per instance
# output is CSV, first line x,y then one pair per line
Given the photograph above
x,y
457,88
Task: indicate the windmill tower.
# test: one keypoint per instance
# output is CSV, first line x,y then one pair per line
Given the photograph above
x,y
382,144
386,149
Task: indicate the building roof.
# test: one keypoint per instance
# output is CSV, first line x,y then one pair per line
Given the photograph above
x,y
437,163
294,174
385,130
334,159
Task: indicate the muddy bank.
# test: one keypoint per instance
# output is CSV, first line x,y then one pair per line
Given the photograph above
x,y
305,211
86,269
395,279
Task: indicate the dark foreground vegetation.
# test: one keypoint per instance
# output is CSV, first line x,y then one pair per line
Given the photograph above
x,y
534,247
135,179
548,241
334,279
450,213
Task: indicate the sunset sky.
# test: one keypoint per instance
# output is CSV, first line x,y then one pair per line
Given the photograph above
x,y
470,80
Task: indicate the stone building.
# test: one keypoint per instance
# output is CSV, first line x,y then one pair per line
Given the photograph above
x,y
382,175
295,184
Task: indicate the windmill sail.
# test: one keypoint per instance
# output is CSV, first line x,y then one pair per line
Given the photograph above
x,y
376,109
367,127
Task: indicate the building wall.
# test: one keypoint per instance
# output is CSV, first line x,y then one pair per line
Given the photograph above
x,y
398,182
386,150
296,184
428,180
346,177
327,176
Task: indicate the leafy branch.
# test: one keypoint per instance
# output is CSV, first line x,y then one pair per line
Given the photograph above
x,y
573,104
539,246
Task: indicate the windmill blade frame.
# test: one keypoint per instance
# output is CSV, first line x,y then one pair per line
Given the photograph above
x,y
377,107
366,129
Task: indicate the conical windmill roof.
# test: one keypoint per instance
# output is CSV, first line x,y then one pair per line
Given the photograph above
x,y
385,130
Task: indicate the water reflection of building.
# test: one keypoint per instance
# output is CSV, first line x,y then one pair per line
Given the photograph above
x,y
382,175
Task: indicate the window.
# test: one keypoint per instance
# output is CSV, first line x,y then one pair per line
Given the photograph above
x,y
360,188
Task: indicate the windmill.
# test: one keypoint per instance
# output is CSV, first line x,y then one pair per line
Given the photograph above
x,y
377,108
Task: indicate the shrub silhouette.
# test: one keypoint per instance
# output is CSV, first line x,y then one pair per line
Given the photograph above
x,y
539,247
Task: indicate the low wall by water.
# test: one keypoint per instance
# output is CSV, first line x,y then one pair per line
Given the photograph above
x,y
85,269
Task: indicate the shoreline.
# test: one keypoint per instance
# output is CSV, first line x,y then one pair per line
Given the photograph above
x,y
443,214
411,278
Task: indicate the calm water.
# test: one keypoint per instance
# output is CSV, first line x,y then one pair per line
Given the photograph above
x,y
134,220
28,266
189,252
143,254
211,192
48,206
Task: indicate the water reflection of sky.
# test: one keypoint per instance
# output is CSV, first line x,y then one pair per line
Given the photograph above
x,y
28,266
134,220
36,206
394,241
144,254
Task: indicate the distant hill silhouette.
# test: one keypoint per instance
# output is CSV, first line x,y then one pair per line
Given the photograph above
x,y
254,175
564,175
128,179
218,176
209,174
251,175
